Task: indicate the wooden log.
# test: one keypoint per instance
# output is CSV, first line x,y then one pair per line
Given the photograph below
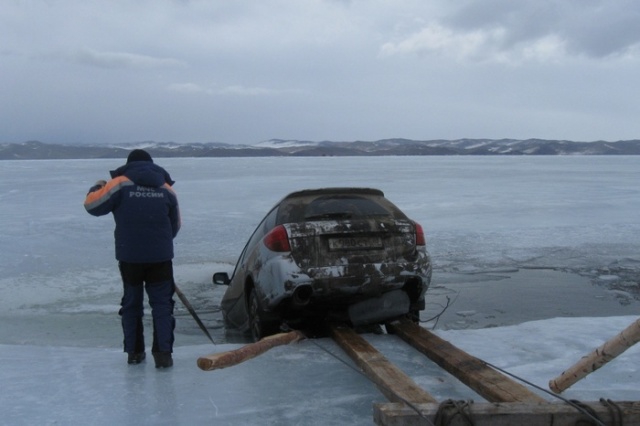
x,y
473,372
220,360
596,359
392,382
511,413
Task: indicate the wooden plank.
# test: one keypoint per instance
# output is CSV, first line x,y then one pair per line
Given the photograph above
x,y
596,359
220,360
392,382
473,372
510,413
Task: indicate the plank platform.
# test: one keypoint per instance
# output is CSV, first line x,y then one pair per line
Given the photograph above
x,y
509,403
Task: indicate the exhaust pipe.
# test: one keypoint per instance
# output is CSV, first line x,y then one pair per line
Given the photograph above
x,y
301,296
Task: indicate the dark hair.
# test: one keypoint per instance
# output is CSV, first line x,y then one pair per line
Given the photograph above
x,y
139,155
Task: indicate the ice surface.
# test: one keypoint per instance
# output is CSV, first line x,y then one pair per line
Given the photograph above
x,y
537,255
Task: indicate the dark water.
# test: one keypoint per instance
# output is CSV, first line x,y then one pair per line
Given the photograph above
x,y
492,299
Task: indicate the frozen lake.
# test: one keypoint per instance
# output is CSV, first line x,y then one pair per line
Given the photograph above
x,y
513,239
554,229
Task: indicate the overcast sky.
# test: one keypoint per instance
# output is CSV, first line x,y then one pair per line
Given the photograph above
x,y
92,71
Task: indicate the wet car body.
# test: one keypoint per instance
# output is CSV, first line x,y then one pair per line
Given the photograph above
x,y
328,255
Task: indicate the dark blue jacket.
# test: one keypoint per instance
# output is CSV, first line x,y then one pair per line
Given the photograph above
x,y
145,209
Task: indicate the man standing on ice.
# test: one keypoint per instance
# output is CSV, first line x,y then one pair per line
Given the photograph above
x,y
145,209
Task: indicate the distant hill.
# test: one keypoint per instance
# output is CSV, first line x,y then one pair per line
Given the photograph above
x,y
34,150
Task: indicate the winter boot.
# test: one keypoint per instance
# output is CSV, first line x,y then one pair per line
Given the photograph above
x,y
136,357
163,359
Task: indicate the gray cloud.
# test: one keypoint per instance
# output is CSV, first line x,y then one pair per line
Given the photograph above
x,y
193,88
116,70
122,60
595,28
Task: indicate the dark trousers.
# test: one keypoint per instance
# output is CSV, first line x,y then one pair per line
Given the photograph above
x,y
157,280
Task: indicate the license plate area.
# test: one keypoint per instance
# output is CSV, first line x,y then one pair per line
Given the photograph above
x,y
355,243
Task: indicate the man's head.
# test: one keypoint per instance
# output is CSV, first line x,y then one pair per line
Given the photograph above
x,y
139,155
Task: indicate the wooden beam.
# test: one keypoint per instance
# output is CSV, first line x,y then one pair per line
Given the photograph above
x,y
220,360
392,382
596,359
473,372
510,413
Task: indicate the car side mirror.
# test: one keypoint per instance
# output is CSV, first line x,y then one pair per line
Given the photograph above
x,y
221,278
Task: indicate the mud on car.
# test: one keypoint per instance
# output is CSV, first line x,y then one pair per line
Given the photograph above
x,y
331,255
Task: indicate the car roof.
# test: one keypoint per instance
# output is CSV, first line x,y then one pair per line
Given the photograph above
x,y
340,191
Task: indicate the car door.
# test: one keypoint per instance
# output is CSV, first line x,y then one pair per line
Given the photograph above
x,y
234,301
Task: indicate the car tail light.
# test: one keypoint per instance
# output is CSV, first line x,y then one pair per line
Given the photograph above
x,y
420,240
277,239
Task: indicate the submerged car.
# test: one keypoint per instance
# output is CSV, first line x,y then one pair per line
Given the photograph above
x,y
325,256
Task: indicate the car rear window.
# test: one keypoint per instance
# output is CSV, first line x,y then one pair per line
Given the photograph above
x,y
335,207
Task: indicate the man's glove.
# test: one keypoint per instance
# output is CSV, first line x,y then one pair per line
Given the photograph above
x,y
98,185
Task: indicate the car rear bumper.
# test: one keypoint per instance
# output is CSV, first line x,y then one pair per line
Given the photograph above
x,y
341,286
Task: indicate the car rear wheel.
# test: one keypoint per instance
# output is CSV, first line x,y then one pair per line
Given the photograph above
x,y
258,325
